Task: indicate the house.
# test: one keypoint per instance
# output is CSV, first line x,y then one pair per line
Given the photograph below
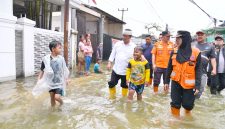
x,y
212,32
27,27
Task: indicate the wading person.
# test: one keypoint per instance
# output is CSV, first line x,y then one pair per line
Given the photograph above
x,y
160,58
207,54
137,75
184,69
54,72
147,49
218,81
121,54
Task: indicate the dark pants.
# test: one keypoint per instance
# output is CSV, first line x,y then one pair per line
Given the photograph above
x,y
158,74
217,83
181,96
209,79
151,71
115,78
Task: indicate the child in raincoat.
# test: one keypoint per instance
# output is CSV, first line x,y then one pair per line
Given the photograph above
x,y
54,74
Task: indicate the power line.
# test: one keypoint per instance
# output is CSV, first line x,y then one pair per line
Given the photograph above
x,y
151,5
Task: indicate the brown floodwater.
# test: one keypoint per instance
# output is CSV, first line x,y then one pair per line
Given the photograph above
x,y
87,106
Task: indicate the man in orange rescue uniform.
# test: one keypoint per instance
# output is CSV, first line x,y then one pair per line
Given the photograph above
x,y
184,69
160,58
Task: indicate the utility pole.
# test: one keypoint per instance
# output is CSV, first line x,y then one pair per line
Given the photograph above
x,y
66,23
123,10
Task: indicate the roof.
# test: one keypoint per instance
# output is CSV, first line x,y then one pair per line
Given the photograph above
x,y
109,16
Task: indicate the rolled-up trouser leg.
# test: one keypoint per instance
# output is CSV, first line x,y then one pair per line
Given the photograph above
x,y
112,83
157,78
202,86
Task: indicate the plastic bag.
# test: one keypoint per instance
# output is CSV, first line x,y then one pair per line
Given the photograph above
x,y
40,88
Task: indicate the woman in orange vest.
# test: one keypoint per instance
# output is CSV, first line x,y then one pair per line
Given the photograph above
x,y
184,69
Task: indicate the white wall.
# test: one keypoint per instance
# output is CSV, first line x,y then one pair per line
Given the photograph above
x,y
7,36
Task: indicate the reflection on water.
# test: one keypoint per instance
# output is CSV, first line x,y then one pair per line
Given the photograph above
x,y
87,106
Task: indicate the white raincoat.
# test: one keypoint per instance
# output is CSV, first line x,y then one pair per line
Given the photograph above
x,y
55,75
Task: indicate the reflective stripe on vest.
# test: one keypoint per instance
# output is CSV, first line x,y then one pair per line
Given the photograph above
x,y
173,74
190,82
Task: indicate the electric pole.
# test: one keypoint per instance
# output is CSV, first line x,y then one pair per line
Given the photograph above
x,y
123,10
66,27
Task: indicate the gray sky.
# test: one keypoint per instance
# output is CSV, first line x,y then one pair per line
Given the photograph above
x,y
178,14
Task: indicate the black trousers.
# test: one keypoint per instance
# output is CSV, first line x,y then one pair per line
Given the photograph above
x,y
115,78
182,97
217,83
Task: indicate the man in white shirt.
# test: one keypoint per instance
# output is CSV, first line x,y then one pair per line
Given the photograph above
x,y
121,54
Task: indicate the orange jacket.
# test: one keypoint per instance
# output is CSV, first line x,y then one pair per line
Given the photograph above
x,y
162,53
184,73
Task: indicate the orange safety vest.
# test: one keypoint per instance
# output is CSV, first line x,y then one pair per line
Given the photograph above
x,y
184,73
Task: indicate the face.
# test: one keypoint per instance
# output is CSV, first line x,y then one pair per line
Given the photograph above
x,y
166,38
126,38
148,40
57,50
137,54
178,41
219,42
200,37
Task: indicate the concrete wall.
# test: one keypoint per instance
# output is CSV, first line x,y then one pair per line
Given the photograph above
x,y
113,29
7,36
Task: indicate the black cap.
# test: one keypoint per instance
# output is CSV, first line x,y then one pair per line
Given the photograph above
x,y
165,33
219,37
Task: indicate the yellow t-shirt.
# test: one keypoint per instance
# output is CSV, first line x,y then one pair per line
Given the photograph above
x,y
138,72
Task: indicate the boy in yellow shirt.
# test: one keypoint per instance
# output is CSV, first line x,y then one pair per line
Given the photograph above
x,y
137,74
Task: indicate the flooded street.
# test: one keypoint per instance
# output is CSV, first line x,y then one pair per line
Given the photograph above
x,y
87,106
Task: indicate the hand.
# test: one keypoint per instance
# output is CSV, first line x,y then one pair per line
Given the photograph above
x,y
128,82
68,82
154,67
213,72
143,58
109,66
166,87
146,84
196,91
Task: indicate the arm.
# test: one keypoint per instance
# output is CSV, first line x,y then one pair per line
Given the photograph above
x,y
198,72
147,73
213,60
128,72
111,58
40,75
42,71
153,57
169,70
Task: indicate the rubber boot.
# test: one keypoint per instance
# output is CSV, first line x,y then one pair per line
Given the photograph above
x,y
150,81
187,112
112,93
175,112
155,89
124,92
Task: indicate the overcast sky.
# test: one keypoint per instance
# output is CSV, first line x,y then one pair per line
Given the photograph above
x,y
178,14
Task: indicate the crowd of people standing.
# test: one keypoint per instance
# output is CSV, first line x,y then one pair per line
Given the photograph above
x,y
186,67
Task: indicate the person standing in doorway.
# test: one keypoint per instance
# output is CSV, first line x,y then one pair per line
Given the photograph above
x,y
207,54
80,55
184,69
147,49
160,58
88,51
121,54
